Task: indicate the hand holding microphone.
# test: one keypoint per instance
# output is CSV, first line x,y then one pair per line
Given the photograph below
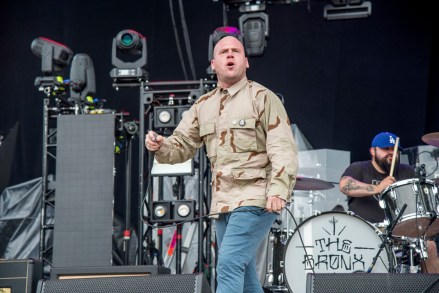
x,y
153,141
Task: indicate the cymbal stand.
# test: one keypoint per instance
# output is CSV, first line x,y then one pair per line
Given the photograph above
x,y
387,242
311,204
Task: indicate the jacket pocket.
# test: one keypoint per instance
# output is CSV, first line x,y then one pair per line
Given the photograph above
x,y
243,135
253,179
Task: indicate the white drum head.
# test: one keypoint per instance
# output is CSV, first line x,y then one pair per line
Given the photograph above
x,y
333,242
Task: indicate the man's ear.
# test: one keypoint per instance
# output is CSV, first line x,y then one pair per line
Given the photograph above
x,y
372,152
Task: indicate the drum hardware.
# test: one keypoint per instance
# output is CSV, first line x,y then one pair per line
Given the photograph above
x,y
313,196
422,174
392,224
413,269
386,242
416,248
278,237
423,249
275,275
276,281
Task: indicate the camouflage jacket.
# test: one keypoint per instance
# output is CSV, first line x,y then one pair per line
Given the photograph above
x,y
249,143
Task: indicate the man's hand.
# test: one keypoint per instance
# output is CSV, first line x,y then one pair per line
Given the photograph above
x,y
385,183
153,141
275,204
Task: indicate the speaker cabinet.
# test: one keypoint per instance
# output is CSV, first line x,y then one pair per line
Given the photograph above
x,y
19,275
372,283
84,191
149,284
104,272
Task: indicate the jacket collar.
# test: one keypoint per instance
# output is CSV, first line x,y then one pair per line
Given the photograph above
x,y
236,87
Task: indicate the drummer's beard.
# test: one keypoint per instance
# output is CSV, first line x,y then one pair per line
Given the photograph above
x,y
384,163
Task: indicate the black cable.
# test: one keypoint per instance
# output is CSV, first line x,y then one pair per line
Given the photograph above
x,y
174,224
177,40
432,155
301,239
186,39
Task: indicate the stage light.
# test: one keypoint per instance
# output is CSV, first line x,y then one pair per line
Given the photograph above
x,y
182,112
165,116
255,28
347,9
160,211
183,210
128,45
130,41
55,56
168,211
82,77
169,116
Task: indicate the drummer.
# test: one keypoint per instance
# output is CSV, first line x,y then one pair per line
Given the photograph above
x,y
364,181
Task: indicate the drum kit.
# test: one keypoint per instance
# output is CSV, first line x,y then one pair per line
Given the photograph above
x,y
342,242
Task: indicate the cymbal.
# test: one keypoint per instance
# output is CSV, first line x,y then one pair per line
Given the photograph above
x,y
304,183
431,139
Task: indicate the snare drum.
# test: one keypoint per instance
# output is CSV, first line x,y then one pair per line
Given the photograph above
x,y
419,217
333,242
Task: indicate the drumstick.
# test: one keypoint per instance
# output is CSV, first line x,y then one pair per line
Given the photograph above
x,y
395,149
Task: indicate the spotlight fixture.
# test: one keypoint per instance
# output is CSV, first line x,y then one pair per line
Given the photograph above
x,y
347,9
183,210
130,41
172,211
164,116
169,116
82,77
128,45
255,28
55,56
253,23
162,210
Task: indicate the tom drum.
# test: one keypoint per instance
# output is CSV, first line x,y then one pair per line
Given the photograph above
x,y
419,217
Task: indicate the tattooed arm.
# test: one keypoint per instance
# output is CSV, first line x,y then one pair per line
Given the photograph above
x,y
355,188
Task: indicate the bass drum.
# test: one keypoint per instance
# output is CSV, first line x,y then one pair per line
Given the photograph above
x,y
333,242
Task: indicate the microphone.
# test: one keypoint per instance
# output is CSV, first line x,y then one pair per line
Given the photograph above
x,y
82,77
417,167
422,174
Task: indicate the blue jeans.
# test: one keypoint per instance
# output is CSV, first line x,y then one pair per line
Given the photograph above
x,y
239,235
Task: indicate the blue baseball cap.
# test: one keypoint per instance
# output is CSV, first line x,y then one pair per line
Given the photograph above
x,y
385,140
